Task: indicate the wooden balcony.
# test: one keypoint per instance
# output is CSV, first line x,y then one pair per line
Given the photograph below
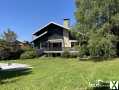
x,y
59,50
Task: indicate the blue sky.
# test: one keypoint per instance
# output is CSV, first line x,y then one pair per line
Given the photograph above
x,y
25,16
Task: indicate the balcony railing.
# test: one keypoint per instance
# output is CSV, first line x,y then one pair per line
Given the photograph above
x,y
53,49
59,49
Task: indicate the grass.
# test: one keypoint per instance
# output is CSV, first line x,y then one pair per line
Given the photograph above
x,y
61,74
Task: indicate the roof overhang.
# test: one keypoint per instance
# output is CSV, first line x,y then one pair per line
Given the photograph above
x,y
39,36
48,25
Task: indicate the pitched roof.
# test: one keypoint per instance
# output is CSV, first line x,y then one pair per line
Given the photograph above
x,y
48,25
40,36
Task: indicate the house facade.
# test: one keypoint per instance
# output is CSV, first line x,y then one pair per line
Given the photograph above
x,y
54,38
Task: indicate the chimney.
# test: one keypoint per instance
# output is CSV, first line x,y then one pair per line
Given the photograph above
x,y
66,22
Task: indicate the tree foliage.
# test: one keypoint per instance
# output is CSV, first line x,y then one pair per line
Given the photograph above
x,y
100,44
9,49
9,36
98,21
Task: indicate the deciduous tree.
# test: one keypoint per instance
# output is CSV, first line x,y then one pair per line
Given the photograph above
x,y
98,21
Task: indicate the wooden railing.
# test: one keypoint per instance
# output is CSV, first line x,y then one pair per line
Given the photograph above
x,y
53,49
59,49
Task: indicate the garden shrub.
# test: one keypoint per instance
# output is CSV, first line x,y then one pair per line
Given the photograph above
x,y
66,54
73,55
83,51
39,52
4,54
9,50
16,54
100,45
28,55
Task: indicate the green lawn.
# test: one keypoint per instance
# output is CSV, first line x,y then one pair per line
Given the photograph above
x,y
61,74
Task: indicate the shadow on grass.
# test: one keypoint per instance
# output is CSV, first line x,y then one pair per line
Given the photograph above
x,y
4,75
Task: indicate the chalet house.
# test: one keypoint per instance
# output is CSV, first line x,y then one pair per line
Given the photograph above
x,y
54,38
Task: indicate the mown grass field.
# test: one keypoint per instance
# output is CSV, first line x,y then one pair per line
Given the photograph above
x,y
61,74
